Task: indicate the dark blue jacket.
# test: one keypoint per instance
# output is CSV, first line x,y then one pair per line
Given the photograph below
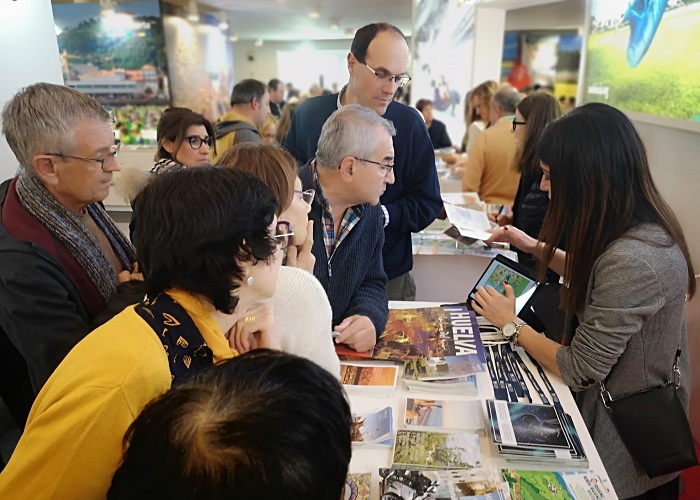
x,y
413,201
354,277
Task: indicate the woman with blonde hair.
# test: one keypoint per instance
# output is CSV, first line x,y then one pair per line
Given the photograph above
x,y
268,131
476,112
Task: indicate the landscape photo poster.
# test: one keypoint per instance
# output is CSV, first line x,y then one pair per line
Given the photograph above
x,y
643,57
117,55
442,59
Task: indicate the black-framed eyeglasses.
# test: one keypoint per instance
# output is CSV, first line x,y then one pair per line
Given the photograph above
x,y
306,196
196,142
283,234
516,123
400,80
385,168
107,160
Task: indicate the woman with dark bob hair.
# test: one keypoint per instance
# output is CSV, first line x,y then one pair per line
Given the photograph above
x,y
627,271
210,256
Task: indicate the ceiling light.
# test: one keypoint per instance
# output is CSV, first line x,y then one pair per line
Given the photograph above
x,y
349,32
258,42
233,37
223,20
335,23
193,12
314,12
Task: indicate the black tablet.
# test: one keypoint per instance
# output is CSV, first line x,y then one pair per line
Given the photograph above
x,y
521,278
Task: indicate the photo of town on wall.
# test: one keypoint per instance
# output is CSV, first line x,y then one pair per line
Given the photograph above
x,y
115,55
642,56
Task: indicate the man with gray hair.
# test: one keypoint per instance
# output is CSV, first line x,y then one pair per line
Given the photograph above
x,y
61,256
353,165
250,105
489,169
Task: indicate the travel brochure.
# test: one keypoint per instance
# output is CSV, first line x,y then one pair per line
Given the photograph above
x,y
476,484
545,485
373,428
431,414
464,386
436,450
365,378
358,486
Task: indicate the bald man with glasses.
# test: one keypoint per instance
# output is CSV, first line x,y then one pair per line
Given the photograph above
x,y
377,65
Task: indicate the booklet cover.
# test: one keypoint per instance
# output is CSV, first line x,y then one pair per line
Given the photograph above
x,y
368,378
427,414
448,367
373,428
476,484
526,425
358,486
544,485
429,333
436,450
464,386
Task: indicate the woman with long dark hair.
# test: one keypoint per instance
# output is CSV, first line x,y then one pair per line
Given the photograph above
x,y
627,271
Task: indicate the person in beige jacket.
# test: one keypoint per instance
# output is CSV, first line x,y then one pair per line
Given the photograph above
x,y
489,168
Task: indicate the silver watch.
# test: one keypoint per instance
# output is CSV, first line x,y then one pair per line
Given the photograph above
x,y
511,330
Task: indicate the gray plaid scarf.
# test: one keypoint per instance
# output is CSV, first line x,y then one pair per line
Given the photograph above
x,y
75,236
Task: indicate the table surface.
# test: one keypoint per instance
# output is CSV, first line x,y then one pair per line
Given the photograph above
x,y
370,459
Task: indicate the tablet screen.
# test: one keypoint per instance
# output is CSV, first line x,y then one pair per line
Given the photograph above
x,y
497,273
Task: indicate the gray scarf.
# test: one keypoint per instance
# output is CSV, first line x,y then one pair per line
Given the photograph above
x,y
75,236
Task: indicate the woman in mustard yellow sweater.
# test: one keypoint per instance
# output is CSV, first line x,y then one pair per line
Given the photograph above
x,y
210,253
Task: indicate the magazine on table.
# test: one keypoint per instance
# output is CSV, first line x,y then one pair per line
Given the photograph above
x,y
358,486
368,379
473,484
431,414
464,386
429,332
545,485
448,367
373,428
436,450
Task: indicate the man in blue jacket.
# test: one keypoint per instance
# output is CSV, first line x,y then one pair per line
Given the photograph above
x,y
377,65
352,169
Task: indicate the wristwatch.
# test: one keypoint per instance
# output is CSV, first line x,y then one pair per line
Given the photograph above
x,y
511,331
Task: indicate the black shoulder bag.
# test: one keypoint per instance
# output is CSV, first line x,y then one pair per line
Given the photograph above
x,y
654,426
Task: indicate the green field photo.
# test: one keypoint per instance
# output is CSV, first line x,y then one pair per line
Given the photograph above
x,y
667,80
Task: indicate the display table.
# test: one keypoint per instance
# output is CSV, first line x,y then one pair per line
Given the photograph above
x,y
370,459
444,269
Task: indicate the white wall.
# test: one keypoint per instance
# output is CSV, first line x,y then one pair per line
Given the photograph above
x,y
488,45
673,156
260,63
567,14
29,54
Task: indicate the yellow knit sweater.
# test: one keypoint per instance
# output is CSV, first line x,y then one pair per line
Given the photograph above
x,y
72,443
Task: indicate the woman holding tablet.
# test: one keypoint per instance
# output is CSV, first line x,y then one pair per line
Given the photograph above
x,y
627,271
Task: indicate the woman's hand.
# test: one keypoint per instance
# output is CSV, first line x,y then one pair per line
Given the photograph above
x,y
504,219
303,258
127,275
514,236
493,306
255,330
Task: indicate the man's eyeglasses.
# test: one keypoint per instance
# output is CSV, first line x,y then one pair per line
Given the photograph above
x,y
196,141
400,80
385,168
306,196
516,123
107,160
283,234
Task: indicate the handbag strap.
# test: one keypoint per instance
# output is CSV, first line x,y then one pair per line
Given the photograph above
x,y
675,379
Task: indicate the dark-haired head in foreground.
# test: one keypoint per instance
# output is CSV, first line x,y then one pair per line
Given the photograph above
x,y
265,425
